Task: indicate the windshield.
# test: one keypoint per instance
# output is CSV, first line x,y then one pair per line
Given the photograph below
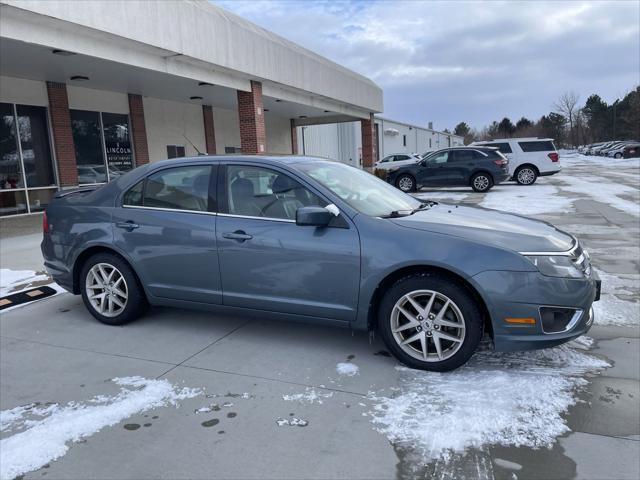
x,y
361,190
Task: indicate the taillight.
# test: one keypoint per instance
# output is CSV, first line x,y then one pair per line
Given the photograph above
x,y
500,162
45,223
553,156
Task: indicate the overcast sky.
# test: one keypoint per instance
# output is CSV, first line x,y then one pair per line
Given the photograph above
x,y
454,61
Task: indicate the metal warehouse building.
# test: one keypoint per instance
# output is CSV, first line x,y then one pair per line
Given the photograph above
x,y
342,141
90,90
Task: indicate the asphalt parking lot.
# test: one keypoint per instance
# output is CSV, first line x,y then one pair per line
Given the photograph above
x,y
249,398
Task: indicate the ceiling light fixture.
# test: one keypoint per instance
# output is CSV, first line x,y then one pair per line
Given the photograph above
x,y
327,111
278,100
302,116
265,109
62,53
195,98
205,84
79,78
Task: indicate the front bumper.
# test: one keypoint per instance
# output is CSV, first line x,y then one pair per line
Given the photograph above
x,y
521,295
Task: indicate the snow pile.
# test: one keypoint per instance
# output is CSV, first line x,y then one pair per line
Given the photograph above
x,y
511,399
291,422
526,200
46,439
618,303
310,396
348,369
12,281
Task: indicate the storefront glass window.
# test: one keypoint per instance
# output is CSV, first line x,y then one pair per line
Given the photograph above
x,y
10,166
117,144
34,140
25,153
88,146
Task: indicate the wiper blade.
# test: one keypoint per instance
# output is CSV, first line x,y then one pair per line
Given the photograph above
x,y
397,213
424,206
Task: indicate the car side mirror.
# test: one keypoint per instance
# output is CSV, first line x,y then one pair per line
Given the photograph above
x,y
313,217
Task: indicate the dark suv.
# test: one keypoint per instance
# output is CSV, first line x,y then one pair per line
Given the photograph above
x,y
478,167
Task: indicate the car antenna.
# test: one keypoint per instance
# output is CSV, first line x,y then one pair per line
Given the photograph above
x,y
195,148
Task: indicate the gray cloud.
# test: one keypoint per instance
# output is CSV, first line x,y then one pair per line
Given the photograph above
x,y
471,61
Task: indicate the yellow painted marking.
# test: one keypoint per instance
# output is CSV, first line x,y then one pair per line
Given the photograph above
x,y
35,293
5,301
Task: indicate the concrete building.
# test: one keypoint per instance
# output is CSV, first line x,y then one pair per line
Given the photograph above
x,y
342,141
91,89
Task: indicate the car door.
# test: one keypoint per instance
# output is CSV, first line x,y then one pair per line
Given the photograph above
x,y
460,165
166,225
267,262
434,169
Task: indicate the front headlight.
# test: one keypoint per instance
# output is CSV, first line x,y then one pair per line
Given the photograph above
x,y
556,266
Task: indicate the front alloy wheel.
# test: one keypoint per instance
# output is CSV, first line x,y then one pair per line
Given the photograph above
x,y
618,155
526,176
430,321
406,183
427,325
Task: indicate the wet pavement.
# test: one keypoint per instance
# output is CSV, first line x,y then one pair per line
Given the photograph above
x,y
54,351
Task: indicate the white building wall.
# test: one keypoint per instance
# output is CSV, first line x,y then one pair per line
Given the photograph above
x,y
336,141
169,122
278,131
226,125
97,100
27,92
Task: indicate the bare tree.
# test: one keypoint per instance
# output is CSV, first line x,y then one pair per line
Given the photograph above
x,y
567,106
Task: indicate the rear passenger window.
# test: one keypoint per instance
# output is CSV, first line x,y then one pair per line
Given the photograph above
x,y
503,147
180,188
461,156
133,197
537,146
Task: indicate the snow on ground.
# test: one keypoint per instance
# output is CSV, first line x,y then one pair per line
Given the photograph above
x,y
510,399
348,369
524,200
310,396
618,303
12,281
608,193
46,431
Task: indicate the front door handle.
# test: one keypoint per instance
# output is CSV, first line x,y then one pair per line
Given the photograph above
x,y
128,226
237,235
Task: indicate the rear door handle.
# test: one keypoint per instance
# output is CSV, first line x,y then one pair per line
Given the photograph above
x,y
129,225
237,235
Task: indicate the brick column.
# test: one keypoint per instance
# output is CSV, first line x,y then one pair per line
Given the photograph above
x,y
62,134
209,131
251,113
294,138
138,129
367,128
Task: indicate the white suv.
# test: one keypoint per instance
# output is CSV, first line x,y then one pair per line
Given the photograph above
x,y
396,160
529,158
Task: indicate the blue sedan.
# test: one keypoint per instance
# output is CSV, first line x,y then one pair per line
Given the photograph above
x,y
306,239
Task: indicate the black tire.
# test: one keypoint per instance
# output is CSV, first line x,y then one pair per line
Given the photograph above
x,y
461,298
481,182
526,175
618,155
136,301
406,183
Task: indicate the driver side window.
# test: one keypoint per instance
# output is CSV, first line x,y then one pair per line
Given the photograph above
x,y
262,192
440,158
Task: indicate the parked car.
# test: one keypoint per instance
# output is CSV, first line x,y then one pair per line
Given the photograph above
x,y
589,149
529,158
615,151
480,168
631,150
397,159
304,239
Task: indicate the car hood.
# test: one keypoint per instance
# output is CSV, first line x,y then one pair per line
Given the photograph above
x,y
491,227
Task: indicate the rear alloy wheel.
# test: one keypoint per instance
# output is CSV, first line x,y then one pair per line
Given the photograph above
x,y
430,322
526,176
110,290
481,182
406,183
618,155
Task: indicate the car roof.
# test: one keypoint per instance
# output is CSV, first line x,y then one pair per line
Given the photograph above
x,y
520,139
282,159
